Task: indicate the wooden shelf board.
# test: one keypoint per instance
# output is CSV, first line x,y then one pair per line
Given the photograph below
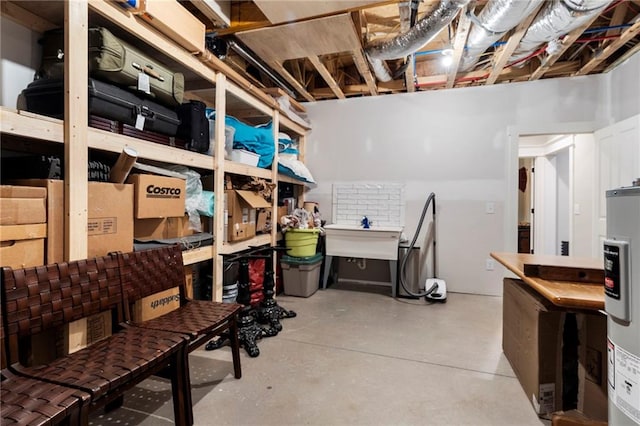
x,y
26,124
247,170
258,240
196,255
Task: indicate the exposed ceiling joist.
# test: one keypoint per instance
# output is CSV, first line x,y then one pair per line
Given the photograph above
x,y
277,66
326,75
566,44
626,35
361,63
462,31
504,53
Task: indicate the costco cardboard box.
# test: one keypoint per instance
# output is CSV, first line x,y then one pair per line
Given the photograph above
x,y
532,342
592,366
23,226
241,211
158,196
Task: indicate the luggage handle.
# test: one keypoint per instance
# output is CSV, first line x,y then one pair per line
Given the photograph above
x,y
147,70
145,112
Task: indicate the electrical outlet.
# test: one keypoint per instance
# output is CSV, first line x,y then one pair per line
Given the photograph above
x,y
490,264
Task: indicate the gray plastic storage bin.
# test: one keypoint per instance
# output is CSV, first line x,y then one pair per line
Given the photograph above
x,y
301,275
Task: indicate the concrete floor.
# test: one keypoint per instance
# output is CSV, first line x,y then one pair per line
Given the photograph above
x,y
355,356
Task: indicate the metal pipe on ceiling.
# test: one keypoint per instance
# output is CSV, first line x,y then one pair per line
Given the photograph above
x,y
409,42
496,18
557,18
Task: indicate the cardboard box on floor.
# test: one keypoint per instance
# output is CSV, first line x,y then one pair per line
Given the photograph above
x,y
574,418
592,366
532,342
158,196
158,304
241,208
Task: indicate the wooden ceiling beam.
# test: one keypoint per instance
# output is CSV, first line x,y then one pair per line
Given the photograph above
x,y
565,44
279,68
462,31
326,75
629,53
363,68
503,54
597,59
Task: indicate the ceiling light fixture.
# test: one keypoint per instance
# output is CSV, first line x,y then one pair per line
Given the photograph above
x,y
447,57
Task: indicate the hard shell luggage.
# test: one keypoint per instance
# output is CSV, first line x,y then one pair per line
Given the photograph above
x,y
113,60
46,97
194,125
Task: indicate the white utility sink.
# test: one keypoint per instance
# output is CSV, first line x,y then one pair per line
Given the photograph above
x,y
376,242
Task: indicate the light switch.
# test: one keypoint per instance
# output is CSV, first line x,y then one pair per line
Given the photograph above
x,y
490,207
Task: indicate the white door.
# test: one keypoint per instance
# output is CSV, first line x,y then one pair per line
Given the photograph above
x,y
617,154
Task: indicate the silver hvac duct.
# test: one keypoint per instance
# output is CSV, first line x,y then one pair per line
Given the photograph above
x,y
496,18
558,17
409,42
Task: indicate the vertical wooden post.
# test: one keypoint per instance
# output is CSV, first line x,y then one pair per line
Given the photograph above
x,y
274,197
218,186
75,127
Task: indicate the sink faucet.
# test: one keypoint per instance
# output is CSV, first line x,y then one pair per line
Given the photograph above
x,y
366,223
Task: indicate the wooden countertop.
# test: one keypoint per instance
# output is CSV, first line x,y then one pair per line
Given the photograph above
x,y
567,294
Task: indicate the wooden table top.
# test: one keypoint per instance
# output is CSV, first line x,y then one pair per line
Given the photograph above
x,y
567,294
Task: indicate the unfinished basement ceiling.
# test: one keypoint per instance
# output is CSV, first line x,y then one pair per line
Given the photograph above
x,y
318,50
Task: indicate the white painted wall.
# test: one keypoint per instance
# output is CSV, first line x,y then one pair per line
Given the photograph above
x,y
563,198
20,57
624,90
457,143
583,201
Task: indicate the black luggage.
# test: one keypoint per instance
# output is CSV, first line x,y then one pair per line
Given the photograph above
x,y
46,97
194,125
113,60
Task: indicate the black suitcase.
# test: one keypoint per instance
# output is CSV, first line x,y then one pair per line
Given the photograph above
x,y
46,97
194,125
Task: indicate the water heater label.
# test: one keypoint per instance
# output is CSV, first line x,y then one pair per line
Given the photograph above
x,y
626,392
612,271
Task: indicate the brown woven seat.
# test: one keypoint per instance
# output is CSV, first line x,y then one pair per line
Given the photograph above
x,y
41,298
148,272
32,402
25,401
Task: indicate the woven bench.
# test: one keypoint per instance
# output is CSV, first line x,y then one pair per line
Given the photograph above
x,y
148,272
25,401
44,298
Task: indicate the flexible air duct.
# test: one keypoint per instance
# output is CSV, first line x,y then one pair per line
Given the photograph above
x,y
558,17
496,18
412,40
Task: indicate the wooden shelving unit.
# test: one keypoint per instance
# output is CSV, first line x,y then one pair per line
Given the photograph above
x,y
77,138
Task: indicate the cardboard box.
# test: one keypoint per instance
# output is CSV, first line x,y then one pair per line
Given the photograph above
x,y
188,278
158,196
241,210
574,418
54,249
110,217
54,343
22,205
160,229
532,342
110,224
592,366
22,246
86,331
158,304
175,21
